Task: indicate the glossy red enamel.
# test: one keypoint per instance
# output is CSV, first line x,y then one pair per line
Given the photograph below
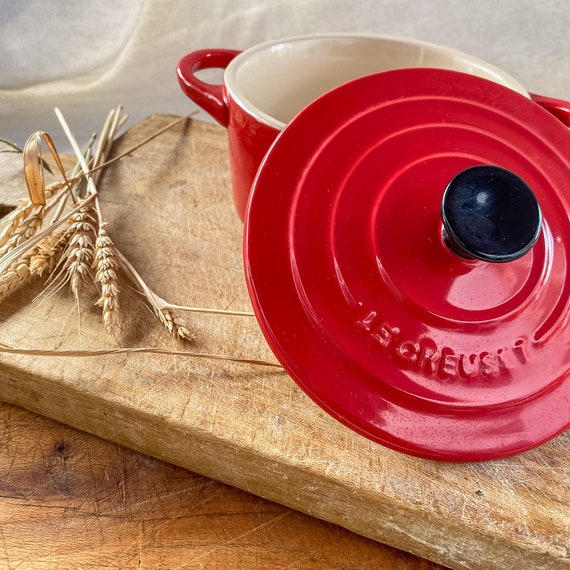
x,y
362,301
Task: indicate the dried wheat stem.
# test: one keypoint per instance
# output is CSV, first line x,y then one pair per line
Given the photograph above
x,y
112,125
59,205
80,158
148,139
161,309
14,146
137,146
75,182
114,122
106,265
206,310
56,186
4,348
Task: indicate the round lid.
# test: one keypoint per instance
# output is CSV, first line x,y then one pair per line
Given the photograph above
x,y
372,245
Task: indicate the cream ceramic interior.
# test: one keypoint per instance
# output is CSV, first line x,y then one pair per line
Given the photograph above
x,y
274,81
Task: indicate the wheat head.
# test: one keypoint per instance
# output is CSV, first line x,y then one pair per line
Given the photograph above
x,y
47,253
106,265
26,222
16,275
77,257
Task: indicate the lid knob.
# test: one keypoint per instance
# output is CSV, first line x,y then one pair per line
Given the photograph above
x,y
491,214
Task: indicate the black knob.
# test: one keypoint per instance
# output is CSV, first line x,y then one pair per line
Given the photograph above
x,y
489,213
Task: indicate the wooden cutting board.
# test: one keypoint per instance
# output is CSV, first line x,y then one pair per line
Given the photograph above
x,y
170,212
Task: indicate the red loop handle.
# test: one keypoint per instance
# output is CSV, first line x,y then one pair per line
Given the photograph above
x,y
557,107
210,97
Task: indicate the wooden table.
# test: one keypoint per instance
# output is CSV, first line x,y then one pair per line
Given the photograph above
x,y
80,501
71,500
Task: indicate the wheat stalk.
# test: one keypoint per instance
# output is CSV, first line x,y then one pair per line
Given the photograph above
x,y
108,300
82,250
77,257
104,255
4,348
41,260
8,258
47,253
175,325
15,219
106,265
34,166
13,146
26,220
160,308
16,275
24,226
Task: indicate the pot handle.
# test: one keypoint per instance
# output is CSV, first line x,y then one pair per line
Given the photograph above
x,y
207,95
557,107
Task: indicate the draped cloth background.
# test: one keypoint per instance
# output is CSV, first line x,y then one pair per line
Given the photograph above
x,y
88,57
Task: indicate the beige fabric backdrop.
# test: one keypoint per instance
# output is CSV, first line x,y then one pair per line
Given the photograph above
x,y
87,57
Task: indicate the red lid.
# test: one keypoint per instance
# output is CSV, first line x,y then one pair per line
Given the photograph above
x,y
363,300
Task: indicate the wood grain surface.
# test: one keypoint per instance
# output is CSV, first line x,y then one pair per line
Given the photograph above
x,y
170,213
69,500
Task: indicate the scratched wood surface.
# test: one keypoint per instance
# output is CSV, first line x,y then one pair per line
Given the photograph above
x,y
170,212
71,500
